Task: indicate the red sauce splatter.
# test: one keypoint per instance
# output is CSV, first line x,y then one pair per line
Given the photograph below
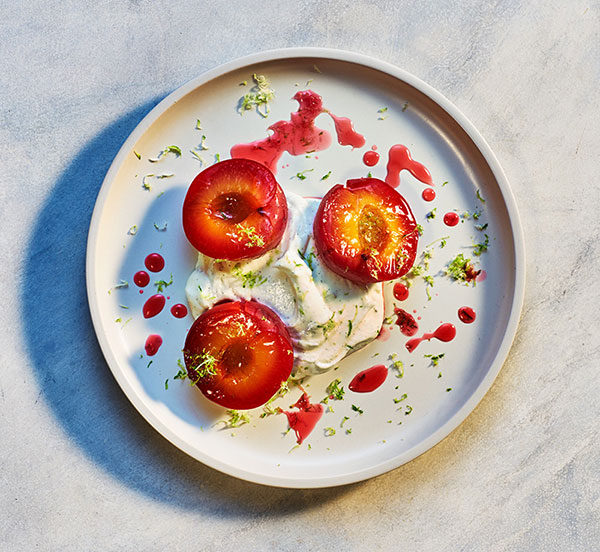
x,y
153,305
368,380
446,332
401,291
346,134
399,159
153,344
154,262
299,135
406,322
466,315
428,194
305,419
296,136
370,158
179,310
451,218
141,278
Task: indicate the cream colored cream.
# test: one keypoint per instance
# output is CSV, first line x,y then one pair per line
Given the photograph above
x,y
327,316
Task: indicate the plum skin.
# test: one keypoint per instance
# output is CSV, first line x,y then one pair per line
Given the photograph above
x,y
252,352
234,210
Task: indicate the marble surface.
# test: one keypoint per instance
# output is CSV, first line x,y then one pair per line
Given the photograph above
x,y
81,470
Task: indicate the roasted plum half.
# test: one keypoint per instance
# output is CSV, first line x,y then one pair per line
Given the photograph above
x,y
238,354
234,210
366,232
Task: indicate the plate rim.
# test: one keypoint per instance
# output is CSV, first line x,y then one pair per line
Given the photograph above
x,y
517,237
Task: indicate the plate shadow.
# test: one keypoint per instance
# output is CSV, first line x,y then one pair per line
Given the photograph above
x,y
75,380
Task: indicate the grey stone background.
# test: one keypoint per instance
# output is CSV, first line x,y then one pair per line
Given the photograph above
x,y
81,470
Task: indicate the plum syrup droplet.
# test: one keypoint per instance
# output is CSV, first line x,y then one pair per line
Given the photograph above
x,y
466,315
153,305
153,343
179,310
446,332
154,262
451,218
370,158
368,380
399,159
401,291
305,419
141,278
428,194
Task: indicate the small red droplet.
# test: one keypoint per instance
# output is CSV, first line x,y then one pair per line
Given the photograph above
x,y
141,278
179,310
401,291
153,344
153,305
466,315
428,194
154,262
451,218
370,158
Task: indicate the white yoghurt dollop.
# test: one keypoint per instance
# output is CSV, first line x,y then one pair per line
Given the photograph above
x,y
328,317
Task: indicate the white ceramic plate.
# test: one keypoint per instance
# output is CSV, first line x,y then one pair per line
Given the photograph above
x,y
386,435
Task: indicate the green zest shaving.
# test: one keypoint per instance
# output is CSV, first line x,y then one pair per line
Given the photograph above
x,y
397,365
203,364
236,419
176,150
145,184
435,359
431,214
161,284
335,391
302,174
182,373
307,258
480,248
402,398
250,279
461,269
197,156
259,96
254,238
327,326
